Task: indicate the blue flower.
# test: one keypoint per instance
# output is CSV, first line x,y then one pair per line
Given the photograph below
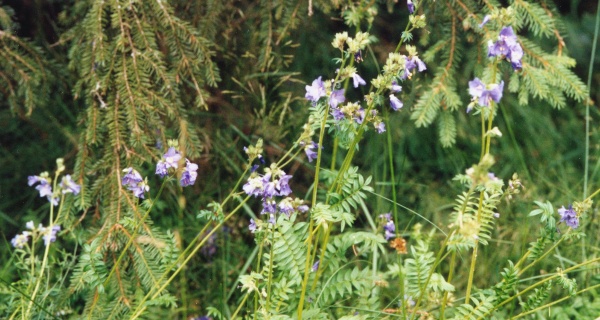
x,y
411,6
188,177
49,233
486,19
380,127
315,91
389,227
169,160
336,97
482,94
252,226
269,206
68,186
569,216
337,114
358,80
395,103
20,240
131,178
315,266
396,87
507,47
44,187
309,149
134,182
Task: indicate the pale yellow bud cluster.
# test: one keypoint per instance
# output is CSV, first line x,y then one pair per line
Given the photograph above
x,y
60,165
351,109
346,72
418,21
255,151
359,42
339,40
394,63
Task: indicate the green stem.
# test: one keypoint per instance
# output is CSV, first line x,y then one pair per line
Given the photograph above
x,y
270,268
240,306
548,305
537,284
450,277
474,255
46,250
587,105
314,201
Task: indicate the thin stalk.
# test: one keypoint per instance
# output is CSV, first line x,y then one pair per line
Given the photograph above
x,y
258,271
548,305
240,307
544,255
270,280
141,305
474,256
587,105
450,277
537,284
46,250
391,161
314,201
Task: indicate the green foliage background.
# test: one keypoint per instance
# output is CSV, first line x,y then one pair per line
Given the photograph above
x,y
218,74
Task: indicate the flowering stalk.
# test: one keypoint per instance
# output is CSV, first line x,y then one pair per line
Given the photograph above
x,y
314,201
47,249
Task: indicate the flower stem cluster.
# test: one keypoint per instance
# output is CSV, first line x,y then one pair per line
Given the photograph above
x,y
47,233
274,183
507,47
169,163
44,184
389,227
171,159
483,94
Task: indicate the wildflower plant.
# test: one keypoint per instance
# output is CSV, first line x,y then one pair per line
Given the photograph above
x,y
325,249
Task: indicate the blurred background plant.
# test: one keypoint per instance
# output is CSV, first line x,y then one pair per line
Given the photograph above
x,y
217,75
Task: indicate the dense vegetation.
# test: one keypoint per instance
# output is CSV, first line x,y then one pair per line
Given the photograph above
x,y
281,159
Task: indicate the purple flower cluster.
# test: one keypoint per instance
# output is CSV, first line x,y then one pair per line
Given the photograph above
x,y
20,240
43,187
171,160
310,150
48,234
485,94
317,90
569,216
357,80
389,227
411,64
67,185
134,182
507,47
274,183
411,6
